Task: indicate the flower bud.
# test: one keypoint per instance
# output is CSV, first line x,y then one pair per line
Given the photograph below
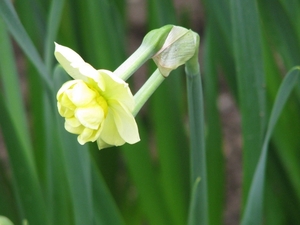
x,y
179,46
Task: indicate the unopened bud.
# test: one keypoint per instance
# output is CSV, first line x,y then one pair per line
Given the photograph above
x,y
180,46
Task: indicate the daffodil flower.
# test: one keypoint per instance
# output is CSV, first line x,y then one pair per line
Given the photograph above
x,y
96,105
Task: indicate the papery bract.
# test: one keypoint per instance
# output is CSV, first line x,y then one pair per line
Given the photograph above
x,y
96,105
179,46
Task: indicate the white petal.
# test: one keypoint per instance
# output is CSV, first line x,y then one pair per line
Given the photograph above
x,y
69,60
75,66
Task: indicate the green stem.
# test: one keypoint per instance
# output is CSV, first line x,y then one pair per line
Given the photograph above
x,y
147,90
138,58
151,44
197,136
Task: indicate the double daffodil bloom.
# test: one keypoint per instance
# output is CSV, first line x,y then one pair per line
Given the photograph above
x,y
96,105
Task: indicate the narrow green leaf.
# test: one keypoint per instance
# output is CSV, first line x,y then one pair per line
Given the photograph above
x,y
8,203
281,30
101,33
25,177
53,25
286,144
193,204
144,176
166,108
198,158
11,86
250,74
215,158
18,32
105,209
254,204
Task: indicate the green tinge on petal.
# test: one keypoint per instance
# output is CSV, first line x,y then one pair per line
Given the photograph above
x,y
74,122
117,89
102,144
85,136
125,123
64,111
109,132
73,130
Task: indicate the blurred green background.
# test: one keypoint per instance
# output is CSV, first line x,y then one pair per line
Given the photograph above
x,y
246,49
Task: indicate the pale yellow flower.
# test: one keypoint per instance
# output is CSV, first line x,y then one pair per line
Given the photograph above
x,y
96,105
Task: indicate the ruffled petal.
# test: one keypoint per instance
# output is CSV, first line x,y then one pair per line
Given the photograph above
x,y
90,117
85,136
65,87
125,123
102,144
69,60
109,132
72,129
74,122
80,94
117,89
64,111
76,67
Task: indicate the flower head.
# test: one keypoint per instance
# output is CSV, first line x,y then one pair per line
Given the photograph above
x,y
96,105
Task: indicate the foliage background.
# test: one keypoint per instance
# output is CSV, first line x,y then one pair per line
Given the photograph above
x,y
246,49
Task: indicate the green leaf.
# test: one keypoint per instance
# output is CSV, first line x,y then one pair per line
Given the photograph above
x,y
166,117
11,87
193,204
18,32
105,209
145,178
250,74
215,157
254,204
198,159
53,25
27,188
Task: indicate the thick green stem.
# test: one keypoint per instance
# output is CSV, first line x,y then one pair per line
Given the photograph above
x,y
147,90
197,136
138,58
151,44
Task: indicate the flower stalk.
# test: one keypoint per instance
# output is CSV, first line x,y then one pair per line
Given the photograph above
x,y
151,44
197,140
147,90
